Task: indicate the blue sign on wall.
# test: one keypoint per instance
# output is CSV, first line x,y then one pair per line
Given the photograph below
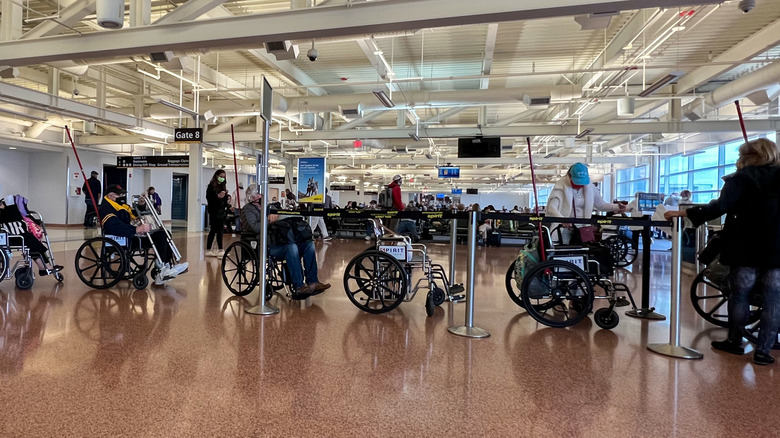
x,y
457,191
449,172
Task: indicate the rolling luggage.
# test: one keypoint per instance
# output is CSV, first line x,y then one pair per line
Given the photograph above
x,y
493,237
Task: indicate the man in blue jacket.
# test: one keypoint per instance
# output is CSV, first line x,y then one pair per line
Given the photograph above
x,y
115,217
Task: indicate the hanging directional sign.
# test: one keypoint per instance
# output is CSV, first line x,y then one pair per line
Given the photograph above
x,y
188,135
153,161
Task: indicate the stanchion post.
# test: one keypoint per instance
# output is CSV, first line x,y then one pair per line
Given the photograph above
x,y
453,248
263,308
673,348
646,312
701,242
469,330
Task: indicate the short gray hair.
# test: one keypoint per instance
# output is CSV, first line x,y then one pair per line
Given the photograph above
x,y
251,191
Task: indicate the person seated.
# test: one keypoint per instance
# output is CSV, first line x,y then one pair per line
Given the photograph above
x,y
116,217
13,221
286,241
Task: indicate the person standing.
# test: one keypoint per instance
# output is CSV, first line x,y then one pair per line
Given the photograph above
x,y
217,200
94,185
319,221
750,199
573,196
155,199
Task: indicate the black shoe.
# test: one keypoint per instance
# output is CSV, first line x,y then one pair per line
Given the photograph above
x,y
319,288
729,346
760,358
302,292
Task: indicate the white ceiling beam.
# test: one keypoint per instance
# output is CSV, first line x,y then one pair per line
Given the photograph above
x,y
442,117
537,130
751,46
361,121
377,59
487,58
251,30
516,118
189,11
225,127
219,80
504,161
68,16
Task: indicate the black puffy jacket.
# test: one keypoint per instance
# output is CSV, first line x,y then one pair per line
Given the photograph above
x,y
750,199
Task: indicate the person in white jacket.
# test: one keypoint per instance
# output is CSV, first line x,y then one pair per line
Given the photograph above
x,y
574,196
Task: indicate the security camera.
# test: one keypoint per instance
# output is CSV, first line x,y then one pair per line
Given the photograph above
x,y
312,54
746,5
76,92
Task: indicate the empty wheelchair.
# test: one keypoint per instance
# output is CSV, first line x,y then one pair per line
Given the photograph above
x,y
378,280
241,269
104,261
559,292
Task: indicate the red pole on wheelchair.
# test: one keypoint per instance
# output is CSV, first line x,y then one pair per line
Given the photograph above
x,y
235,166
741,121
89,189
536,196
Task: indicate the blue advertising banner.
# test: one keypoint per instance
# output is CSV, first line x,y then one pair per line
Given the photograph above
x,y
311,180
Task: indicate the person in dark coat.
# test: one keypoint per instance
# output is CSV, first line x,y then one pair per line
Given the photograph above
x,y
750,199
217,200
94,185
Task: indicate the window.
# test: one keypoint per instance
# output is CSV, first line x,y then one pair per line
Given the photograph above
x,y
631,180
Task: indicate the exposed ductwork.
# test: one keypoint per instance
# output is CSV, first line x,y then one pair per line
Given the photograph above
x,y
763,78
369,102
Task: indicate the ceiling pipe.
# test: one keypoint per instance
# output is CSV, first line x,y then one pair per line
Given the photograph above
x,y
369,102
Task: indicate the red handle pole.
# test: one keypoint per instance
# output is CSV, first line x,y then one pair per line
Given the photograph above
x,y
235,166
741,121
536,196
89,189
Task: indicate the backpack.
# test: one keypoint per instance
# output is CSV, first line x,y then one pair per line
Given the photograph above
x,y
385,199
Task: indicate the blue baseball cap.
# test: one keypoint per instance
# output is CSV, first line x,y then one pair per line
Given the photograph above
x,y
579,174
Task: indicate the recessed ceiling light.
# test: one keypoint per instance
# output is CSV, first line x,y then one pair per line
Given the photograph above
x,y
11,148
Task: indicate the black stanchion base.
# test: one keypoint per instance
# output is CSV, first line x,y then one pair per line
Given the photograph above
x,y
646,314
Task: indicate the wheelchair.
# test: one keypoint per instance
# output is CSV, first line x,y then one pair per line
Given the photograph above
x,y
710,295
559,292
241,269
378,280
102,262
23,268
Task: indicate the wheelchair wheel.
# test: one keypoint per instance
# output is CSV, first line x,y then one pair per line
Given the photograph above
x,y
438,296
140,281
58,276
430,306
240,268
511,286
375,282
137,263
710,300
606,318
557,293
622,250
24,278
4,264
100,263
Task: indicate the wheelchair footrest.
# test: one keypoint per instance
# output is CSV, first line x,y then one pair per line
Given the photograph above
x,y
622,302
457,298
457,288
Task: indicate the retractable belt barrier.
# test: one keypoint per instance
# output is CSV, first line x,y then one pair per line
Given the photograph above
x,y
645,312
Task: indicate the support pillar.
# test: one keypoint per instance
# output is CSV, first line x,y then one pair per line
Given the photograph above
x,y
195,189
11,24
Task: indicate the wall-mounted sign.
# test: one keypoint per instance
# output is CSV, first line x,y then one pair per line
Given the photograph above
x,y
153,161
188,135
457,191
275,180
343,187
449,172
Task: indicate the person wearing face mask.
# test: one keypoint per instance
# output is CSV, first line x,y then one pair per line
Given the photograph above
x,y
116,217
217,200
285,243
573,196
685,198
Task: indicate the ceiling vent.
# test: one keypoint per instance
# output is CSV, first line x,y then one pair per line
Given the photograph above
x,y
282,50
351,111
536,101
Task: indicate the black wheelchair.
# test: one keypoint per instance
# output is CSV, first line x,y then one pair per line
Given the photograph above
x,y
102,262
559,291
710,295
378,280
241,269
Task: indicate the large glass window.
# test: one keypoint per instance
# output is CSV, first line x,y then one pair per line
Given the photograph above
x,y
631,180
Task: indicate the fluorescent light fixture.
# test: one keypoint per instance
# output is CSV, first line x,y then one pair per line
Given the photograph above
x,y
584,132
657,85
149,132
178,107
12,148
384,98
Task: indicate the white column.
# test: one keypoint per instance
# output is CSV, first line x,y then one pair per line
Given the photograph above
x,y
195,192
11,24
140,13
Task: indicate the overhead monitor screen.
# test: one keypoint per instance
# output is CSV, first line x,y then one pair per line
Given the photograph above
x,y
457,191
440,196
472,191
649,201
449,172
479,147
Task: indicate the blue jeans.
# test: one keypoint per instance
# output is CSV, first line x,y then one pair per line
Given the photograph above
x,y
408,228
742,281
292,254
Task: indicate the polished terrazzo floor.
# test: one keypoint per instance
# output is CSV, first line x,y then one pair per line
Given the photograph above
x,y
185,360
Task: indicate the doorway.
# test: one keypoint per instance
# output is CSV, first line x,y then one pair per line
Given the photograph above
x,y
179,200
114,175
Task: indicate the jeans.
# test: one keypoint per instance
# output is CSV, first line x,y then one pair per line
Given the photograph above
x,y
408,228
742,281
292,253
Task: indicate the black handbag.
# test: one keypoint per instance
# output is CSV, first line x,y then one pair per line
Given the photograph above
x,y
712,250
